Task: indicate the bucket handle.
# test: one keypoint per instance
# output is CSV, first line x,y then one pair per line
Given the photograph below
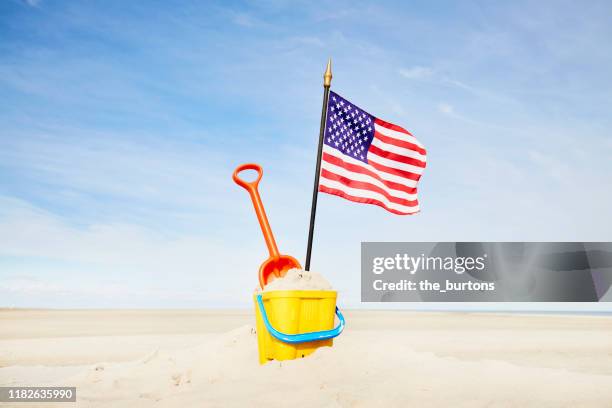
x,y
301,337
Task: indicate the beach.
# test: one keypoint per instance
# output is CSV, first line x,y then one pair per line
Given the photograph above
x,y
183,358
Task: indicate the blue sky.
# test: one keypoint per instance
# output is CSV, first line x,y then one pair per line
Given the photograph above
x,y
121,122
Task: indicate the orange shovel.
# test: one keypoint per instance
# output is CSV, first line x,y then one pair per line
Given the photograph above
x,y
276,265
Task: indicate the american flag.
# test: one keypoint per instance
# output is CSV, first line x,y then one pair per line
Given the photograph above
x,y
368,160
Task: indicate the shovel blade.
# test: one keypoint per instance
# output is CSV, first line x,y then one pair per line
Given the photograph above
x,y
276,268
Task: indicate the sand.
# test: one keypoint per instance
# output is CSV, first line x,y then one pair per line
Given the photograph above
x,y
298,279
194,359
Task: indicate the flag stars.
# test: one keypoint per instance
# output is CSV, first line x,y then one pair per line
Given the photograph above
x,y
349,129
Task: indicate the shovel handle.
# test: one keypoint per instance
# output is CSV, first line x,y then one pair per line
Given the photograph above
x,y
243,183
251,187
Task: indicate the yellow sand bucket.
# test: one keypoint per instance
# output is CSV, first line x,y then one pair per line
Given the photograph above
x,y
294,323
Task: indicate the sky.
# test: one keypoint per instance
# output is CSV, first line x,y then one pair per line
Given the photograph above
x,y
121,123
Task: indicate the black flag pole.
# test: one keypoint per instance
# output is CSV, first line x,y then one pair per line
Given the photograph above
x,y
327,77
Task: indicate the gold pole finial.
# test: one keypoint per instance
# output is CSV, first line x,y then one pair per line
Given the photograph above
x,y
327,76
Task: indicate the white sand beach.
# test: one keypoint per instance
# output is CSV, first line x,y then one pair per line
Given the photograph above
x,y
209,359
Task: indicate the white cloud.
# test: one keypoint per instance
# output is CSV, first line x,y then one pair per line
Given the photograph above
x,y
27,287
438,77
450,111
32,3
446,109
118,260
245,20
417,72
114,166
556,169
30,287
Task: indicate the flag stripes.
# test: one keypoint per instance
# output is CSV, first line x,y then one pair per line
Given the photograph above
x,y
386,176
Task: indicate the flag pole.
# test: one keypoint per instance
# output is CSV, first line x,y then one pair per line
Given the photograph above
x,y
327,77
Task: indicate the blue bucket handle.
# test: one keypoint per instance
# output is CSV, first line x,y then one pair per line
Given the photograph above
x,y
301,337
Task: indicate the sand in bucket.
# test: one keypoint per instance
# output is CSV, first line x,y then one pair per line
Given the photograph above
x,y
298,279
